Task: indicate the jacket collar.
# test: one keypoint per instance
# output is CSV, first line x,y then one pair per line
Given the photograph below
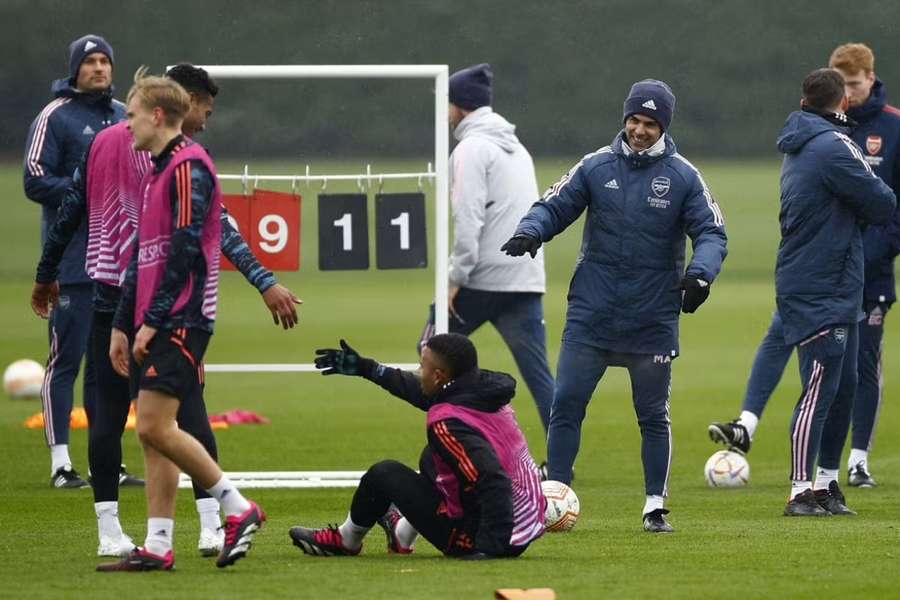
x,y
664,146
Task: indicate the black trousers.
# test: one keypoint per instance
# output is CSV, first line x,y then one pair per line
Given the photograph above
x,y
416,497
111,414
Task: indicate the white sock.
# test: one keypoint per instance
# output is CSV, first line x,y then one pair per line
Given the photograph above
x,y
749,421
352,534
59,457
858,456
825,477
208,510
159,535
108,519
653,503
233,503
406,534
798,487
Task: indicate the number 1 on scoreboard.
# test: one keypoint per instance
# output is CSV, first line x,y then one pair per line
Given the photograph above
x,y
345,223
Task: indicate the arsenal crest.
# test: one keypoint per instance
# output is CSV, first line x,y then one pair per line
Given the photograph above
x,y
873,144
660,186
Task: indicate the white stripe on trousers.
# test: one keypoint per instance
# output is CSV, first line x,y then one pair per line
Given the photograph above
x,y
669,427
803,425
45,388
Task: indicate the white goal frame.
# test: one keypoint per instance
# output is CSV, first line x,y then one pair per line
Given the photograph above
x,y
438,74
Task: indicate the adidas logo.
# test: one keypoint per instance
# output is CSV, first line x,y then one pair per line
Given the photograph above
x,y
87,130
89,45
151,372
612,184
649,104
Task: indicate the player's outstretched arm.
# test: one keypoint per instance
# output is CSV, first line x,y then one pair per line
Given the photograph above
x,y
280,301
347,361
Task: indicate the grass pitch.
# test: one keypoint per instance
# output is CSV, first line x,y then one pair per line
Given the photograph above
x,y
727,541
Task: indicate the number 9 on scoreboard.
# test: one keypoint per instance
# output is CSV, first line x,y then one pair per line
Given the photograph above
x,y
270,223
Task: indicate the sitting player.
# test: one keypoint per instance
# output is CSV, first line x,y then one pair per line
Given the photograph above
x,y
478,493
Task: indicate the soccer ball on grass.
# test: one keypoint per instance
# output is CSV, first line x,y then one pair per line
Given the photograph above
x,y
23,379
562,506
727,469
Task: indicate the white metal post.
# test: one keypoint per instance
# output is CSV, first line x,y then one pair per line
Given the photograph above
x,y
442,200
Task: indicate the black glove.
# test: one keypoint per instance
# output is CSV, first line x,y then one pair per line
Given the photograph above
x,y
696,291
520,244
345,361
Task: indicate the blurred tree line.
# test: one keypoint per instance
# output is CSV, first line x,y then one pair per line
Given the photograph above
x,y
562,69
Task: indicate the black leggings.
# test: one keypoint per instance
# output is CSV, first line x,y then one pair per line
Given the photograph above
x,y
111,414
420,502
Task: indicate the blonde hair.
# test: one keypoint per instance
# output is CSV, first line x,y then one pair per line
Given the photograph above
x,y
162,92
852,58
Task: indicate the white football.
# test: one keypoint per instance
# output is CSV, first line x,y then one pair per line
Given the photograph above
x,y
562,506
23,379
727,469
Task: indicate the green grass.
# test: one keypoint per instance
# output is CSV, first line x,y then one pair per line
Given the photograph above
x,y
727,541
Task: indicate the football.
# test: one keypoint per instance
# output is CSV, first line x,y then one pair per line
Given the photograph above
x,y
727,469
562,506
23,379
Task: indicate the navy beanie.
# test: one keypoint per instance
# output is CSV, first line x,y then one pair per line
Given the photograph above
x,y
471,87
653,99
82,47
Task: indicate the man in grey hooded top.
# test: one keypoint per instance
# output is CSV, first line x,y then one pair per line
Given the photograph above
x,y
492,186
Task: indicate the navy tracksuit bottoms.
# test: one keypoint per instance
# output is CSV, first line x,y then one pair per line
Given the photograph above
x,y
773,354
580,369
69,331
822,415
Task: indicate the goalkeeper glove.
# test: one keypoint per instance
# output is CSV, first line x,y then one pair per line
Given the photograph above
x,y
520,244
696,291
345,361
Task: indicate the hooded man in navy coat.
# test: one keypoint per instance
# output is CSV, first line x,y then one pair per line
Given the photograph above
x,y
828,193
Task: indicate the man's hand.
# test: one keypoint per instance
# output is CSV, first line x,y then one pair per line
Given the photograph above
x,y
520,244
282,304
44,296
451,297
142,343
118,351
341,362
696,291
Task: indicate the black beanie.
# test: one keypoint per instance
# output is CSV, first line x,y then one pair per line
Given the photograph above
x,y
470,88
651,98
82,47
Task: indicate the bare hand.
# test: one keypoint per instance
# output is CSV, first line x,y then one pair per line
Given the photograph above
x,y
44,296
451,297
142,343
282,304
118,351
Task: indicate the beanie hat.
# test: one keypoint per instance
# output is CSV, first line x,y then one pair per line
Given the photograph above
x,y
470,88
82,47
653,99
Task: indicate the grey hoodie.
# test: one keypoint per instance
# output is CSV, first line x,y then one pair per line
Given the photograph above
x,y
492,185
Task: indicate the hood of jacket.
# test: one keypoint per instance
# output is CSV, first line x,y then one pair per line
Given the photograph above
x,y
873,106
637,160
487,124
63,88
479,389
800,127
